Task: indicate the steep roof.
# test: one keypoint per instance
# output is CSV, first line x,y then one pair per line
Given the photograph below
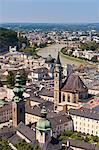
x,y
74,84
14,139
58,59
59,119
82,145
26,131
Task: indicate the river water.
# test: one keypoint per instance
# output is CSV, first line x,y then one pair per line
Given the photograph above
x,y
53,51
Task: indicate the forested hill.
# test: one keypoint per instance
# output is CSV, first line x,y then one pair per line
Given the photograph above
x,y
8,38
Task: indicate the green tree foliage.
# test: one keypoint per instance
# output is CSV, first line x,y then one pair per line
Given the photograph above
x,y
22,145
94,59
4,145
22,40
31,51
79,136
10,79
89,46
8,38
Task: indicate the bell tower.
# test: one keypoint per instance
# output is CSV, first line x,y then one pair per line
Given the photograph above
x,y
57,81
43,130
18,105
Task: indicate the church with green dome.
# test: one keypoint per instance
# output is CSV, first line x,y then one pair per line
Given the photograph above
x,y
43,129
43,124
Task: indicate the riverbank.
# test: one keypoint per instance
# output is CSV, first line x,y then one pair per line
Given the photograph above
x,y
53,51
73,58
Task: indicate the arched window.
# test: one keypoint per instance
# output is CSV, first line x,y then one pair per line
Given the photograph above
x,y
68,98
63,98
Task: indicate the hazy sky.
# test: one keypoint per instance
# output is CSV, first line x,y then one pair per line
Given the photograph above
x,y
49,11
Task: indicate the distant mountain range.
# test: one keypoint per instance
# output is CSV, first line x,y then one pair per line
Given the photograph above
x,y
51,26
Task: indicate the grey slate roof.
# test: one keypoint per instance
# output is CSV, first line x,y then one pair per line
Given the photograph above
x,y
82,145
84,112
59,119
74,84
47,92
26,131
41,70
36,98
36,110
6,132
33,110
14,139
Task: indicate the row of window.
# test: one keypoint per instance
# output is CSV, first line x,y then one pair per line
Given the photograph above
x,y
88,131
6,112
86,119
68,98
84,124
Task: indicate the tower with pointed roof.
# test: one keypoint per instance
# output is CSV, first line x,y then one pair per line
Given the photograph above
x,y
43,129
18,104
57,81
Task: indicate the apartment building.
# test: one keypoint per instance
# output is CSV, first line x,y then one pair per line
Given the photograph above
x,y
85,120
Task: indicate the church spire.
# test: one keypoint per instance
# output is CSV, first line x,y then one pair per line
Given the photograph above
x,y
58,59
18,103
18,90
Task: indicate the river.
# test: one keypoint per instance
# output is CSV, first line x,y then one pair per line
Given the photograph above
x,y
53,51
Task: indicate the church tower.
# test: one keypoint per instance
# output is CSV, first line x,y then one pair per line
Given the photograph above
x,y
57,82
43,130
18,105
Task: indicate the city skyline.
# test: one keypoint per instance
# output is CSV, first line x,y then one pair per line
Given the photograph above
x,y
56,11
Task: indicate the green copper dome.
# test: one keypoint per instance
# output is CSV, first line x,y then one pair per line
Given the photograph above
x,y
43,123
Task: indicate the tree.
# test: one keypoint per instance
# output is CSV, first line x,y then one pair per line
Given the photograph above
x,y
89,46
10,79
94,59
31,51
22,40
22,145
8,38
4,145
